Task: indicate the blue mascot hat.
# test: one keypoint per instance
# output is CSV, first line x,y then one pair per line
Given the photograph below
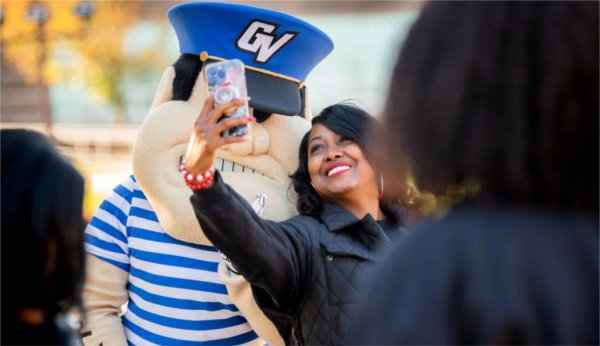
x,y
278,50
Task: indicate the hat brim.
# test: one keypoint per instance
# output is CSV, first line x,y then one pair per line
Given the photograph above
x,y
272,94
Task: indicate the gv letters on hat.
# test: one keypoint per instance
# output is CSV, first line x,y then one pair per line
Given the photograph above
x,y
278,50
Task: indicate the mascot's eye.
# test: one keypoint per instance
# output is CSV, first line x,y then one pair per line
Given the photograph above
x,y
180,162
260,115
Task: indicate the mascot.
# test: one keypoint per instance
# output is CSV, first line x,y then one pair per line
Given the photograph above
x,y
145,247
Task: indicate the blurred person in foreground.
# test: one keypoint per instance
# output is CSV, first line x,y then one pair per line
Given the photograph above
x,y
42,242
496,106
308,272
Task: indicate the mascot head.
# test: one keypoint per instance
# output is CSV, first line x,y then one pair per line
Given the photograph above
x,y
278,51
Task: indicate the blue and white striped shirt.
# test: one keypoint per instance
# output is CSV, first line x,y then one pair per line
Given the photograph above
x,y
175,293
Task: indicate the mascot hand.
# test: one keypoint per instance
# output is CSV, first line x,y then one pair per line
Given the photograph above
x,y
104,294
206,138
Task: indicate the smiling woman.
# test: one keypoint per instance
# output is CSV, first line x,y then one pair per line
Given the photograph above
x,y
302,269
335,165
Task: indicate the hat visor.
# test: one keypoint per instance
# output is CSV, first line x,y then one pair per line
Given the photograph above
x,y
273,95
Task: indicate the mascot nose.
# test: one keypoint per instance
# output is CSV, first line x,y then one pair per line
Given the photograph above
x,y
260,116
258,143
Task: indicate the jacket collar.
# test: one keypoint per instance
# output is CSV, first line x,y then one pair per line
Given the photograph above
x,y
336,217
370,239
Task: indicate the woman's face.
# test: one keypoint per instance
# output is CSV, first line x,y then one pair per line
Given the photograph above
x,y
337,167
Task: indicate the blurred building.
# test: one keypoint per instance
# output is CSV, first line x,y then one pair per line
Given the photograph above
x,y
367,35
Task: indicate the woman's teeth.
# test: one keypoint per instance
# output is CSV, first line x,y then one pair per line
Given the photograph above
x,y
337,169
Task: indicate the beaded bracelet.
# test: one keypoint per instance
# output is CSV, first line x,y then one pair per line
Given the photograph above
x,y
197,181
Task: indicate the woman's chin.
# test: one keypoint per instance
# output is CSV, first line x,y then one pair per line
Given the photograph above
x,y
341,190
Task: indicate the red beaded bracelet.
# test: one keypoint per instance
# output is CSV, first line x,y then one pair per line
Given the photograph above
x,y
197,181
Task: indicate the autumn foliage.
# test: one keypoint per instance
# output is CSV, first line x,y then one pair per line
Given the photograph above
x,y
70,47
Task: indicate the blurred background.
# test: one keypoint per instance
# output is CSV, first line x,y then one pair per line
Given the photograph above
x,y
85,72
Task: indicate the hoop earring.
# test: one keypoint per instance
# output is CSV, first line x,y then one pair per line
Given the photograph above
x,y
380,187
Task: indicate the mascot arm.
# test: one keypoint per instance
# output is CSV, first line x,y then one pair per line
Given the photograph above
x,y
240,292
104,294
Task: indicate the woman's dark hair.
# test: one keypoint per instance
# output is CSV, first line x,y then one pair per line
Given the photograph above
x,y
42,232
502,95
349,121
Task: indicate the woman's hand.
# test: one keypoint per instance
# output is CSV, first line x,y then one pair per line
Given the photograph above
x,y
206,138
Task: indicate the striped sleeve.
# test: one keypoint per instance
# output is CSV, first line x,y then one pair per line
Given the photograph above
x,y
106,234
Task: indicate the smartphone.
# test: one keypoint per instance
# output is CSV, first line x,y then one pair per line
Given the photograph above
x,y
227,82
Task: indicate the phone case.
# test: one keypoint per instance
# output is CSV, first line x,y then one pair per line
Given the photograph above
x,y
227,81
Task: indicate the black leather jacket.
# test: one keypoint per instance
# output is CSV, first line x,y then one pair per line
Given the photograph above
x,y
307,274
